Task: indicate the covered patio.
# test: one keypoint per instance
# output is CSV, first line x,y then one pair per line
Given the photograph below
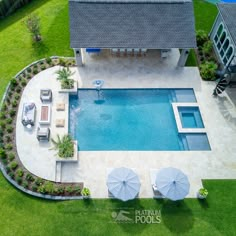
x,y
131,28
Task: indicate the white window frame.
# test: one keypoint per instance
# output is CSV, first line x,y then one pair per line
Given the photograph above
x,y
221,49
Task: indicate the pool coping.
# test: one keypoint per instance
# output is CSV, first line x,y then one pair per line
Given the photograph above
x,y
180,128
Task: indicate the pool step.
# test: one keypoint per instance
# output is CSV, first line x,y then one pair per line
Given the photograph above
x,y
58,172
184,142
173,96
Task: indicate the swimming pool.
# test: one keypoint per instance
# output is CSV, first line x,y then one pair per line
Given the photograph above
x,y
127,119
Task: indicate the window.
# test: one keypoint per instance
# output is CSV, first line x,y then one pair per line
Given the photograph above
x,y
222,38
229,53
220,29
223,44
226,44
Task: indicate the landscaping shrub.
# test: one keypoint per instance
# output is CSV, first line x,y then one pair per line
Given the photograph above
x,y
201,37
207,70
23,82
25,184
35,71
3,154
41,189
49,187
9,94
18,180
2,115
12,113
35,188
4,106
11,174
14,103
11,156
77,190
9,128
60,190
8,169
29,177
18,89
8,138
62,61
49,60
35,66
69,189
43,67
8,100
39,181
13,165
20,172
9,120
2,124
29,70
207,47
28,77
14,83
4,162
9,146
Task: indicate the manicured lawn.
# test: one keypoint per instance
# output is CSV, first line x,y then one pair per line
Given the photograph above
x,y
24,215
17,49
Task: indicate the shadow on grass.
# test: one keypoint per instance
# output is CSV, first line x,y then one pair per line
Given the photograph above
x,y
203,203
177,217
40,49
21,13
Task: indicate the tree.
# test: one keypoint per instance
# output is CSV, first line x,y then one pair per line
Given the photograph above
x,y
32,22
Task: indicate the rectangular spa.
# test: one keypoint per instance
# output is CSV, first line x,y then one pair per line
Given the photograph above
x,y
129,119
190,117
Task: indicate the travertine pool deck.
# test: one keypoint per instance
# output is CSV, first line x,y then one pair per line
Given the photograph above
x,y
218,114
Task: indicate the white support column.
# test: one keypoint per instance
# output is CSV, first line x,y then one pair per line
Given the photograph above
x,y
79,56
183,57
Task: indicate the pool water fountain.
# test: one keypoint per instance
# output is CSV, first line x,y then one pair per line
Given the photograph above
x,y
98,85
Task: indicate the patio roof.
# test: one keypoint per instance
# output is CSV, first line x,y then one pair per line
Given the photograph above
x,y
228,14
153,24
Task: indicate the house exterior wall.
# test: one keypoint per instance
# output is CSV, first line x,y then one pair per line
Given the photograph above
x,y
219,44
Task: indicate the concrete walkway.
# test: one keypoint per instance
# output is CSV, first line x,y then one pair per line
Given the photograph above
x,y
219,117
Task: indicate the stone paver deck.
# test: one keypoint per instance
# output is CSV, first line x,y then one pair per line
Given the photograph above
x,y
218,114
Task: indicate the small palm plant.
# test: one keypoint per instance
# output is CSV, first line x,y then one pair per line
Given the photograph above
x,y
64,146
64,76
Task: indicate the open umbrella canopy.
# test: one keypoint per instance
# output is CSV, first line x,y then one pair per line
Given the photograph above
x,y
123,183
172,183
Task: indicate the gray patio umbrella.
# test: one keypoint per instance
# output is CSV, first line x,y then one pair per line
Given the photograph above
x,y
172,183
123,183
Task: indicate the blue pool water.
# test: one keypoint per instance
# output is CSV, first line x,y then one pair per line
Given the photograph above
x,y
190,117
127,119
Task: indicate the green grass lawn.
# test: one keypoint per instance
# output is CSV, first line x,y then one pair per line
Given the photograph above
x,y
24,215
17,49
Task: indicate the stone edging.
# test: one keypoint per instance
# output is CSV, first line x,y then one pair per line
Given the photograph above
x,y
39,195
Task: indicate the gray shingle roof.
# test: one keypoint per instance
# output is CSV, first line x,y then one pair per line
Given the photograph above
x,y
228,13
132,25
